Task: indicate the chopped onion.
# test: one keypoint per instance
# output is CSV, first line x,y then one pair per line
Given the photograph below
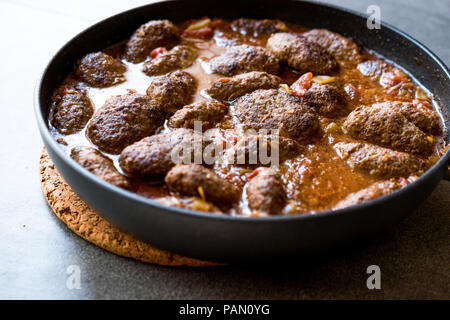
x,y
421,94
282,26
290,208
333,128
285,88
201,193
202,23
323,79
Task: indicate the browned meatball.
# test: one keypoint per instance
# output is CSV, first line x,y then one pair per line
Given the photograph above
x,y
153,34
123,120
387,127
275,109
98,164
243,58
265,192
328,100
375,190
228,89
100,70
154,156
425,119
196,180
379,161
178,57
173,90
208,112
71,111
255,27
190,203
340,47
298,53
261,150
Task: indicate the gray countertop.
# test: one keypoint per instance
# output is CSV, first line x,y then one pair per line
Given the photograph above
x,y
36,248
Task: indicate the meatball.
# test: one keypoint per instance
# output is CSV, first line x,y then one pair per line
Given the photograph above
x,y
98,164
375,190
328,100
173,90
153,34
123,120
178,57
100,70
265,192
276,109
228,89
255,27
262,150
298,53
340,47
425,119
243,58
190,203
196,180
152,157
208,112
387,127
71,111
379,161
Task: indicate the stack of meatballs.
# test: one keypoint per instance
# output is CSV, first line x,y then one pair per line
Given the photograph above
x,y
393,136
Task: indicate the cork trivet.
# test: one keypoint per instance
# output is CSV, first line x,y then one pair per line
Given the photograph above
x,y
85,222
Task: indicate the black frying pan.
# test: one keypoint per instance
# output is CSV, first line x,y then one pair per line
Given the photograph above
x,y
226,238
